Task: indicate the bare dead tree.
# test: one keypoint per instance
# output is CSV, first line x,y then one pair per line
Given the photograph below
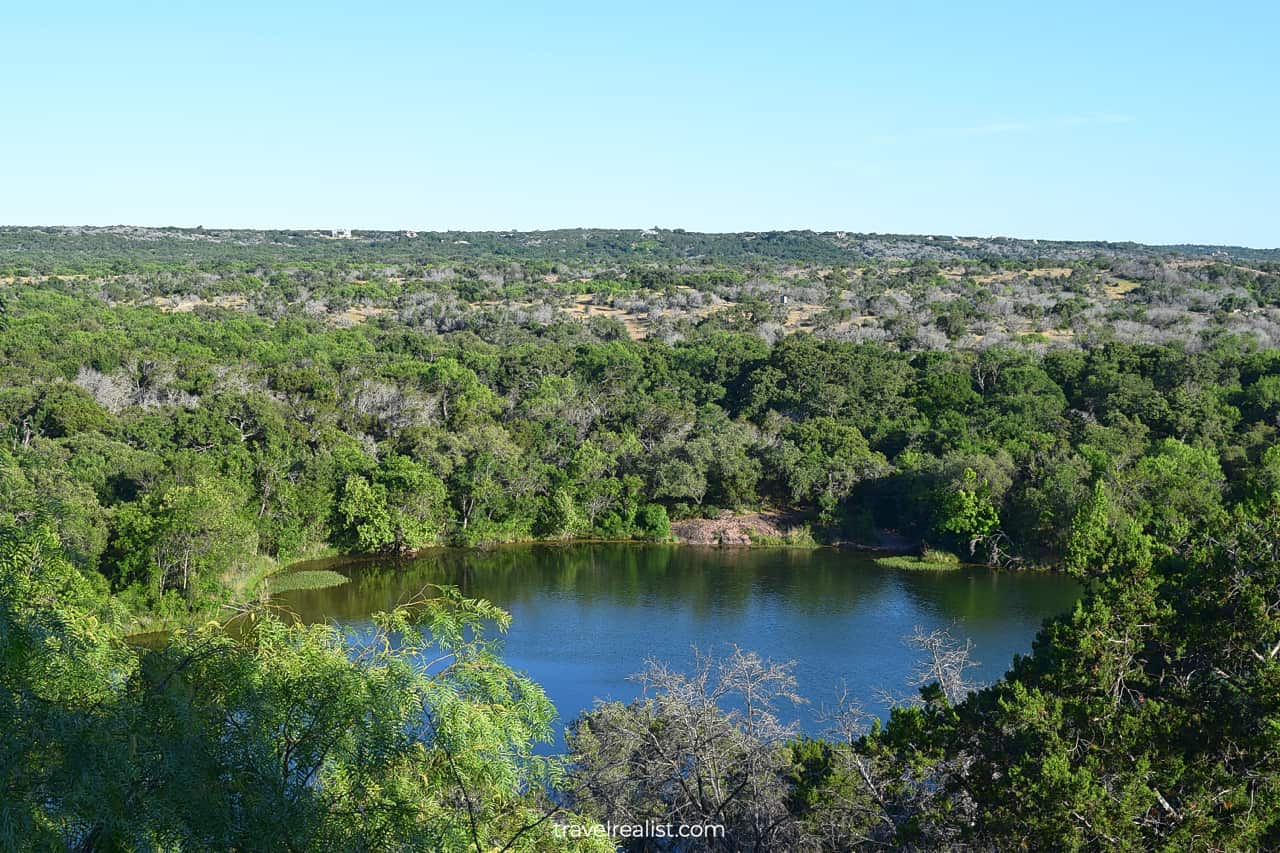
x,y
945,663
703,747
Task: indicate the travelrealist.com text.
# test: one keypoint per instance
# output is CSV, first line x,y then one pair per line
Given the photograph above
x,y
648,829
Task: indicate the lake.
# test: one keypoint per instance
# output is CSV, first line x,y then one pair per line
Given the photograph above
x,y
587,615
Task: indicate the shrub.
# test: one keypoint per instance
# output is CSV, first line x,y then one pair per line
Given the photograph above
x,y
654,523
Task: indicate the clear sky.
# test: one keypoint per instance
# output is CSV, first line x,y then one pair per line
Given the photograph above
x,y
1118,120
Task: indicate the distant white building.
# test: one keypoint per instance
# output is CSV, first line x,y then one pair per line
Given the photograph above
x,y
340,233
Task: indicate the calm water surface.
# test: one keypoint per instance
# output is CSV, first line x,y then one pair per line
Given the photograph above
x,y
586,616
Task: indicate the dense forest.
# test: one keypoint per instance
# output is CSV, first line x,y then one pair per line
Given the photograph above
x,y
187,412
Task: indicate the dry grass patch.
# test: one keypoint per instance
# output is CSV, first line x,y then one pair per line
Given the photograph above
x,y
1119,287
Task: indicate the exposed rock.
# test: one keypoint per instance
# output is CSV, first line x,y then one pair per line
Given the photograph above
x,y
730,529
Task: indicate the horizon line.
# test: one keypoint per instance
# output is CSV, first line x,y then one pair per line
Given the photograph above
x,y
319,230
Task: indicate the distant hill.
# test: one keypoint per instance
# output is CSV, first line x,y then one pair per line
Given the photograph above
x,y
81,248
915,291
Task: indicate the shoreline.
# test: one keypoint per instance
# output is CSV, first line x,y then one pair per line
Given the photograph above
x,y
324,556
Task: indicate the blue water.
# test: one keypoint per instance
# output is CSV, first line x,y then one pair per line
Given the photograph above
x,y
587,616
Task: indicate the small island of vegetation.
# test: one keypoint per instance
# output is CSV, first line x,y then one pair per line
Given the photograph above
x,y
930,560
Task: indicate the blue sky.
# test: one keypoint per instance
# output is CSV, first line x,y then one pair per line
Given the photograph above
x,y
1125,121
